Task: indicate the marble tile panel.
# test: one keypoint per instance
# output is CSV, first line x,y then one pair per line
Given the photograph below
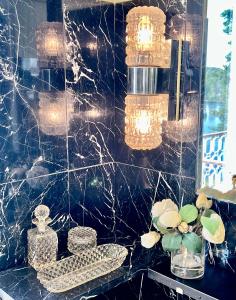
x,y
23,143
93,200
90,37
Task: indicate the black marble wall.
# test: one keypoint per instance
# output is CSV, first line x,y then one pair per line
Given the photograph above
x,y
88,176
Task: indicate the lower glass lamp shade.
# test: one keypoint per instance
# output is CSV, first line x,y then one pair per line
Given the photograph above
x,y
143,118
55,112
50,45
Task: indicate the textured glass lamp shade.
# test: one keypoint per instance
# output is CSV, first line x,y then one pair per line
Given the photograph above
x,y
188,28
55,112
144,115
146,43
50,45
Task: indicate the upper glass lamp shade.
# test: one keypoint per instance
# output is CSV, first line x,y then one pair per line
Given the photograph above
x,y
143,118
50,45
189,28
146,43
55,112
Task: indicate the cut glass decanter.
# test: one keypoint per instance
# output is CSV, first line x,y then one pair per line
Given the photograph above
x,y
42,240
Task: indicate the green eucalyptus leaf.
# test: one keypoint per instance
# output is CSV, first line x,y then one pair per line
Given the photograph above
x,y
188,213
192,242
171,241
211,225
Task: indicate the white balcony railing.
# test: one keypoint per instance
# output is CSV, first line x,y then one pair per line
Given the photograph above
x,y
213,159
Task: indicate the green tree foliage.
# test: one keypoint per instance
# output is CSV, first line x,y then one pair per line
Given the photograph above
x,y
227,15
228,20
216,89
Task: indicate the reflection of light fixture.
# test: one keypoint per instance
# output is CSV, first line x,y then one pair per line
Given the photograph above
x,y
93,113
92,46
55,112
144,115
186,129
146,43
50,45
188,28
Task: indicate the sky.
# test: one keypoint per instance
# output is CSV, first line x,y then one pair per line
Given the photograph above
x,y
217,46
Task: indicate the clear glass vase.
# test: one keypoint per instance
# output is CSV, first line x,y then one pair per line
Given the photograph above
x,y
188,265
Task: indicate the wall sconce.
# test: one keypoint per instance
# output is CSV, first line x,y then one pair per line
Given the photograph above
x,y
146,43
55,112
188,28
147,50
144,116
50,45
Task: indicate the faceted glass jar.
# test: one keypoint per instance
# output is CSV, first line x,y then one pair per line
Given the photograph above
x,y
81,238
188,265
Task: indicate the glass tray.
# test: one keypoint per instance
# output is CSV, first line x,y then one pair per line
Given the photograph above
x,y
78,269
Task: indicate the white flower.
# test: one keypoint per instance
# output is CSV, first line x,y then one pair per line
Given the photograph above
x,y
162,207
170,219
183,227
148,240
203,202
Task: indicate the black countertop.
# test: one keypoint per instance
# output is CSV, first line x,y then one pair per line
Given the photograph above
x,y
21,283
218,283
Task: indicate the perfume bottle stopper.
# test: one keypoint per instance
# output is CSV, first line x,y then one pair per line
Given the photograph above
x,y
42,218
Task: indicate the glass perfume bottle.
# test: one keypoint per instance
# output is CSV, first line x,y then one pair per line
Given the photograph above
x,y
42,240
